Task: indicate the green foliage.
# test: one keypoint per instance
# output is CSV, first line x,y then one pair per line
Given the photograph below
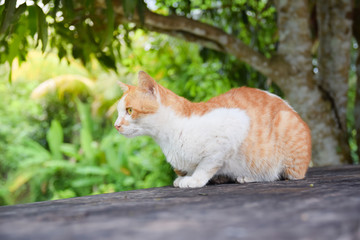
x,y
90,30
55,138
15,123
111,163
42,27
80,32
60,146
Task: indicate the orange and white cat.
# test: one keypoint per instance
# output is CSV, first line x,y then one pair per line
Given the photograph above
x,y
246,134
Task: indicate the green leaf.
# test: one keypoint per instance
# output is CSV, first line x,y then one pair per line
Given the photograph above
x,y
110,24
111,152
7,15
85,182
14,47
45,1
85,115
61,51
141,7
67,193
86,137
19,11
10,72
21,180
86,144
91,170
129,7
107,61
42,28
34,149
56,8
32,19
58,164
69,6
70,150
55,138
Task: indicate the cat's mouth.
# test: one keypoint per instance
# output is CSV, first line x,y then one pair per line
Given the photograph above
x,y
128,132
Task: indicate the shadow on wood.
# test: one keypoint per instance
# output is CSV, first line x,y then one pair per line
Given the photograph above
x,y
326,205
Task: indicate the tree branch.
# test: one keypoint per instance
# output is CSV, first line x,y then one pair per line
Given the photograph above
x,y
208,36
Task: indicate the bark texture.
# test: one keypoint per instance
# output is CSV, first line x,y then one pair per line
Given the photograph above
x,y
357,105
291,68
335,33
356,32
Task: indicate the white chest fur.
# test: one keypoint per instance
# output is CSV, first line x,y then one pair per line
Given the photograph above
x,y
186,141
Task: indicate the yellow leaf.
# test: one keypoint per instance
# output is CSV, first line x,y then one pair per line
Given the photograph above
x,y
19,181
73,84
125,171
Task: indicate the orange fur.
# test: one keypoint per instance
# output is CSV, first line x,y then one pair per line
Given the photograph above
x,y
180,173
141,102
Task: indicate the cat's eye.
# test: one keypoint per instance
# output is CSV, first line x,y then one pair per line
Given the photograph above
x,y
129,110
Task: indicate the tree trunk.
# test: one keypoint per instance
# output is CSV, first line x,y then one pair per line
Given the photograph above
x,y
300,86
335,34
356,32
357,105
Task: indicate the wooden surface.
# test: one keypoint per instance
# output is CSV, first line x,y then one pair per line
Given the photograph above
x,y
324,206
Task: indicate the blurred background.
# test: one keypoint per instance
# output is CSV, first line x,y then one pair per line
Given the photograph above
x,y
59,63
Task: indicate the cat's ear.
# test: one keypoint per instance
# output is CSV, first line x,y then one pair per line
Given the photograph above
x,y
123,86
147,83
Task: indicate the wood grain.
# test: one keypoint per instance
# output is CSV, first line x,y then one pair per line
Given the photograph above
x,y
326,205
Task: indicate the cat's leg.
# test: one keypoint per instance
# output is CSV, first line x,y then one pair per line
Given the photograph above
x,y
206,169
296,172
181,174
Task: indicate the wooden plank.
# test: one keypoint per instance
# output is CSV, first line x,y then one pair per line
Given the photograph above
x,y
326,205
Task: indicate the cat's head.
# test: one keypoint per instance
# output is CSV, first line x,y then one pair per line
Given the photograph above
x,y
137,106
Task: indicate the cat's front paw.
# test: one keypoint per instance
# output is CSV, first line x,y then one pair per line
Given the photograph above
x,y
191,182
177,181
245,180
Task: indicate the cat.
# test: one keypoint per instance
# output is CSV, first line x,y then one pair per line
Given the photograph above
x,y
245,134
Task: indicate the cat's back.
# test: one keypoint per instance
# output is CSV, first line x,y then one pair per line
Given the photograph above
x,y
267,112
252,100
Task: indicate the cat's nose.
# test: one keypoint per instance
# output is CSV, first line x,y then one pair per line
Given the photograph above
x,y
117,126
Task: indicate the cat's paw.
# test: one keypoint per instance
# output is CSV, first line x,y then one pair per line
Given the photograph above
x,y
245,180
191,182
177,181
